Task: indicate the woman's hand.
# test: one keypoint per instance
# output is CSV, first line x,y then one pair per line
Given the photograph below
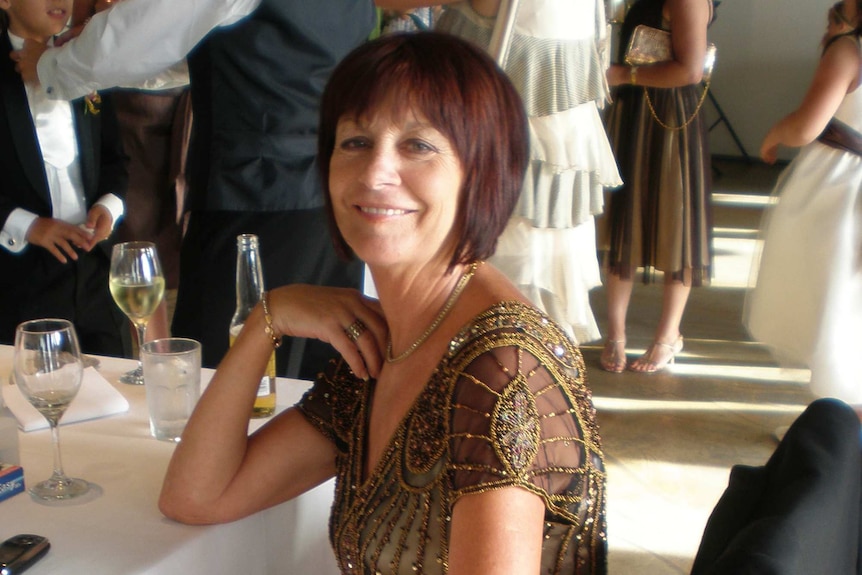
x,y
769,148
326,313
773,138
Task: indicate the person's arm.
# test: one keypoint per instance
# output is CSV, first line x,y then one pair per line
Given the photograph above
x,y
13,236
498,532
504,484
23,228
837,73
218,473
127,44
689,22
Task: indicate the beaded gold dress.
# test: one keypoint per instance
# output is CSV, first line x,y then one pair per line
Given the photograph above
x,y
506,406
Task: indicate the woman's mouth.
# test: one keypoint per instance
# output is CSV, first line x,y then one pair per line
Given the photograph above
x,y
382,211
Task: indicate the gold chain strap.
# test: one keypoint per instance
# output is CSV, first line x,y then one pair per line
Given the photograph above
x,y
687,122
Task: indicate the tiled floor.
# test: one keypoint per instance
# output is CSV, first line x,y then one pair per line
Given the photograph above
x,y
670,439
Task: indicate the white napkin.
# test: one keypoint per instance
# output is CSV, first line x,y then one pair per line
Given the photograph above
x,y
96,398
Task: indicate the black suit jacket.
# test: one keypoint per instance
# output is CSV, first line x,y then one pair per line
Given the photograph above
x,y
800,513
23,183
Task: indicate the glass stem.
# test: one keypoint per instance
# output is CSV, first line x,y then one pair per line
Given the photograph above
x,y
142,332
55,443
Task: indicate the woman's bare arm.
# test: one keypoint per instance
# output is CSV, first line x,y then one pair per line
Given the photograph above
x,y
498,532
218,473
837,73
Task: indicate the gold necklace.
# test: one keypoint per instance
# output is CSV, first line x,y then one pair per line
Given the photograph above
x,y
444,311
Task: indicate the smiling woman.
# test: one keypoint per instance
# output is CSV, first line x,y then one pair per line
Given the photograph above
x,y
457,422
394,183
481,118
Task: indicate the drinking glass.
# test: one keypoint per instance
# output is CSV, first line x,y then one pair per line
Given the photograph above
x,y
137,285
172,371
48,369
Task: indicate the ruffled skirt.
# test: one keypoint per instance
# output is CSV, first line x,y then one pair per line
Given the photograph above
x,y
549,247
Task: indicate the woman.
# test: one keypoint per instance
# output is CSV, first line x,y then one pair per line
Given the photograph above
x,y
457,423
660,218
549,247
814,318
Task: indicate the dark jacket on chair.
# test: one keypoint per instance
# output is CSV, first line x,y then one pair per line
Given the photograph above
x,y
800,513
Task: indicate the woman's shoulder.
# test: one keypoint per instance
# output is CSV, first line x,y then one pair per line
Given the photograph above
x,y
514,323
517,383
332,402
845,43
842,59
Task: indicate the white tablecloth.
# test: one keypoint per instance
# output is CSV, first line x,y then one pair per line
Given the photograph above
x,y
122,532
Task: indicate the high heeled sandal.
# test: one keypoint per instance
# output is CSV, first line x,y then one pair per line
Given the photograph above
x,y
611,360
652,366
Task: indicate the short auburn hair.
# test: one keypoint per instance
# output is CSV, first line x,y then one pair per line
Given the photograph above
x,y
459,89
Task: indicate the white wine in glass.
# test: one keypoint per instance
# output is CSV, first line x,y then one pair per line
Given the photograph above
x,y
138,286
48,369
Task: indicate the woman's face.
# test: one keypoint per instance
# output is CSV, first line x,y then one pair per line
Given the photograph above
x,y
394,186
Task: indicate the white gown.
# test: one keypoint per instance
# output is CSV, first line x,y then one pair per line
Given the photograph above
x,y
807,303
557,61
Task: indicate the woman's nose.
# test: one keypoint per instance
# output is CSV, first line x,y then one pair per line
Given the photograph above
x,y
381,168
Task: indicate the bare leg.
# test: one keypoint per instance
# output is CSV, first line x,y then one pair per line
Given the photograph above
x,y
668,341
619,292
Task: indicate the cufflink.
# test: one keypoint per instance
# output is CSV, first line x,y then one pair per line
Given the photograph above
x,y
10,242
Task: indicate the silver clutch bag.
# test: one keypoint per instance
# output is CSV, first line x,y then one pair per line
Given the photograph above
x,y
650,45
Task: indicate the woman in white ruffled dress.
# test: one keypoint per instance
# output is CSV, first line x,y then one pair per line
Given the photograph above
x,y
807,303
557,57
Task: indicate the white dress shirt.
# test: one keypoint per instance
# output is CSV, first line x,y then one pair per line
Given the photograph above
x,y
132,42
58,142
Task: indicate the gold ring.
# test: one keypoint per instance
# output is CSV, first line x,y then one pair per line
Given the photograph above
x,y
355,330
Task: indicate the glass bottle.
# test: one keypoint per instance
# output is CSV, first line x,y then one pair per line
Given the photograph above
x,y
249,290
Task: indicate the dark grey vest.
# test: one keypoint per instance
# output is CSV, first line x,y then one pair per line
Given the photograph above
x,y
256,88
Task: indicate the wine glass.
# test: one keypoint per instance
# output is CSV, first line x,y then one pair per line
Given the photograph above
x,y
137,285
48,369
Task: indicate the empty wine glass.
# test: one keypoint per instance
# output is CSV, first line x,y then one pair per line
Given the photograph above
x,y
48,370
137,285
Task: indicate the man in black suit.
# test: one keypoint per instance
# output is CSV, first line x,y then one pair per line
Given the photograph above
x,y
63,180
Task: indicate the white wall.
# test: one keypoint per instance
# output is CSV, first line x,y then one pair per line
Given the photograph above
x,y
767,53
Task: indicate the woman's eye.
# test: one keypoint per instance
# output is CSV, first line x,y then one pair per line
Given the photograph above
x,y
356,143
420,146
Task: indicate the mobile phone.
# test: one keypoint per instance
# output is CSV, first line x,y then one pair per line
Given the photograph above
x,y
19,552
